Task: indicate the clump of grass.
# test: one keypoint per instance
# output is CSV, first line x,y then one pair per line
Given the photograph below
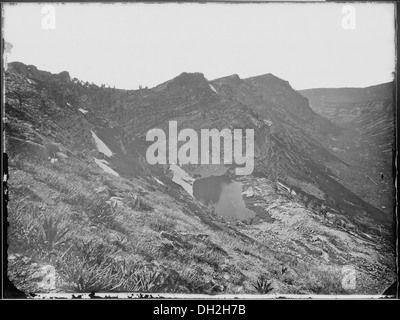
x,y
98,211
137,279
262,285
138,203
29,232
205,255
83,277
147,249
160,223
23,230
87,267
52,179
192,282
52,233
284,269
324,282
75,195
92,267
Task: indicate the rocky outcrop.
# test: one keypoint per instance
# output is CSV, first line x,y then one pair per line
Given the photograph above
x,y
32,72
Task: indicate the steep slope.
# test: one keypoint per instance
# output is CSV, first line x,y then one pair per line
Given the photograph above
x,y
280,92
297,140
78,169
366,143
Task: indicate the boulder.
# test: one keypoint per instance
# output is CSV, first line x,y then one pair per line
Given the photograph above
x,y
248,193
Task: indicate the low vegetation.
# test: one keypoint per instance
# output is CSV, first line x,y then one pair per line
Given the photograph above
x,y
60,218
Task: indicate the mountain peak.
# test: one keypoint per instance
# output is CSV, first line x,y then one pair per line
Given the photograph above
x,y
268,77
187,79
232,79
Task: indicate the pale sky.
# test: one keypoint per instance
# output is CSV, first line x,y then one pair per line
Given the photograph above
x,y
128,45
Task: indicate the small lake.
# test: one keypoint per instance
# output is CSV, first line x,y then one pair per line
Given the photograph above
x,y
224,194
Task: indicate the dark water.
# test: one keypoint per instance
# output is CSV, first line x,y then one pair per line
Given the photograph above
x,y
208,190
225,195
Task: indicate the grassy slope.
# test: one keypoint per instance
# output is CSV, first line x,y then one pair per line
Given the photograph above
x,y
153,246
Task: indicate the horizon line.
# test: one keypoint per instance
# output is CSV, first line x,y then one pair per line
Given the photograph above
x,y
198,72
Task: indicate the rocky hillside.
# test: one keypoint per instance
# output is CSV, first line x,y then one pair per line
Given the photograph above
x,y
366,143
85,204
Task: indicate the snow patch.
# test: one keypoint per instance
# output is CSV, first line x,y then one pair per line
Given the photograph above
x,y
101,146
82,110
182,178
213,89
105,167
160,182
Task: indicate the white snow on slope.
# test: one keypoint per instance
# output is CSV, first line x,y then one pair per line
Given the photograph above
x,y
182,178
213,89
83,110
101,146
160,182
105,167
